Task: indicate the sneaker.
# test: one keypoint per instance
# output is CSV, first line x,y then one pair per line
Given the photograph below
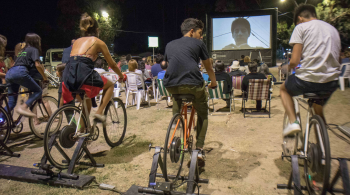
x,y
291,129
100,117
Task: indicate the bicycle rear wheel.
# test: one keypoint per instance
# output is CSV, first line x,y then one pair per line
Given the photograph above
x,y
64,144
173,148
317,165
43,108
5,126
116,121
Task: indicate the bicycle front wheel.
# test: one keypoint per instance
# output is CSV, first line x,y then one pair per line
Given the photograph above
x,y
43,108
116,121
60,146
173,148
5,126
317,165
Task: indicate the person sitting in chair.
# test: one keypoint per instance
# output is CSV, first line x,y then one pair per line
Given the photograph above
x,y
221,75
235,69
253,68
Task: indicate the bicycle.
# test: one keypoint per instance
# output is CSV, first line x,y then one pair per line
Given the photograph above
x,y
179,140
42,107
58,146
315,147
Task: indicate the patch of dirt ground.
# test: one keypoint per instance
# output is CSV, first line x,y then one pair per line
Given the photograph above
x,y
243,154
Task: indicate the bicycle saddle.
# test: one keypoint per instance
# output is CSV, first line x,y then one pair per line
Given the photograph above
x,y
78,92
318,96
184,97
4,86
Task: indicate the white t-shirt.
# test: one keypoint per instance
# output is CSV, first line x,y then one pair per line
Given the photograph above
x,y
321,50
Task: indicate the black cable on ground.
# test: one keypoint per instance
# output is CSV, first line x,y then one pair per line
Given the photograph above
x,y
336,134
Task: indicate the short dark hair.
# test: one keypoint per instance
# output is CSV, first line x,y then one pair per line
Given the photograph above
x,y
241,21
99,63
141,65
164,65
242,56
191,23
219,66
305,11
253,66
159,58
128,57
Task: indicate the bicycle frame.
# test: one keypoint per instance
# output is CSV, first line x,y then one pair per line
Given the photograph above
x,y
3,97
310,113
187,129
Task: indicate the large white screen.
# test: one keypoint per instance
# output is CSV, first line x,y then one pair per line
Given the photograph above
x,y
258,37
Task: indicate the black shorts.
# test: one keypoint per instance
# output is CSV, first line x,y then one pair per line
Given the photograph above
x,y
296,86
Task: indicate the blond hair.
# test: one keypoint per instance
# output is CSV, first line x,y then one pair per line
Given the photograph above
x,y
132,65
247,59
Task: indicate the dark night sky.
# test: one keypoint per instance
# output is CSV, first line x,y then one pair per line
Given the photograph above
x,y
163,17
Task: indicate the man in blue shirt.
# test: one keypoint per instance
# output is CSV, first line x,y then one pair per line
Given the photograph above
x,y
66,53
156,68
164,66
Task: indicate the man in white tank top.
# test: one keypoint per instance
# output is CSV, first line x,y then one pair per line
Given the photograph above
x,y
316,46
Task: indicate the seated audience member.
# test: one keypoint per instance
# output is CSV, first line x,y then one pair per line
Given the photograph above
x,y
99,64
235,70
241,61
146,77
133,68
149,63
264,69
246,60
221,75
253,67
124,66
345,57
164,66
156,67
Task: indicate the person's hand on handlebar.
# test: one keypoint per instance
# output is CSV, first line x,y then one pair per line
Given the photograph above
x,y
212,85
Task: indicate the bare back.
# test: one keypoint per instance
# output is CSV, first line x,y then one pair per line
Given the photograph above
x,y
90,47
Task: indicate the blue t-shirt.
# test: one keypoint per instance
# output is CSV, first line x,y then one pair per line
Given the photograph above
x,y
161,74
156,69
66,54
205,76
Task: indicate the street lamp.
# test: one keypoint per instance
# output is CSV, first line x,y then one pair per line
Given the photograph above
x,y
105,14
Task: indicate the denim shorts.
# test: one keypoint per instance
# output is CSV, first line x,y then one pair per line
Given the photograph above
x,y
296,86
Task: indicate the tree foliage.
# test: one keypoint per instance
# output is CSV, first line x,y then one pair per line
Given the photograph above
x,y
336,13
284,33
72,9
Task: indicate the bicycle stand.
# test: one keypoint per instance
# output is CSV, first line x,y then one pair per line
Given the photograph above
x,y
45,175
166,188
342,172
294,178
6,151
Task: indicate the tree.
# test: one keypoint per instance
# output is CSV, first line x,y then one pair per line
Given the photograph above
x,y
284,33
336,13
108,25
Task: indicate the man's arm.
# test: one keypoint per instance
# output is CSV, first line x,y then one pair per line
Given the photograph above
x,y
296,55
210,72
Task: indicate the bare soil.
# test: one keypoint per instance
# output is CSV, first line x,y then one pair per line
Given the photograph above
x,y
244,153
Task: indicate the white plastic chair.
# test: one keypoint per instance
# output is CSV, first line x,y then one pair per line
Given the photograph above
x,y
113,77
137,95
345,74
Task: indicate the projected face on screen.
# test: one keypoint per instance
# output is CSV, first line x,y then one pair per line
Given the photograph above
x,y
241,33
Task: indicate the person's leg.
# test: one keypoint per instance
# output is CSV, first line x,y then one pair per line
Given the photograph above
x,y
258,105
176,104
201,105
288,103
106,96
32,86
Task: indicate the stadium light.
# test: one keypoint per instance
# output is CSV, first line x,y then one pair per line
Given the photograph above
x,y
105,14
